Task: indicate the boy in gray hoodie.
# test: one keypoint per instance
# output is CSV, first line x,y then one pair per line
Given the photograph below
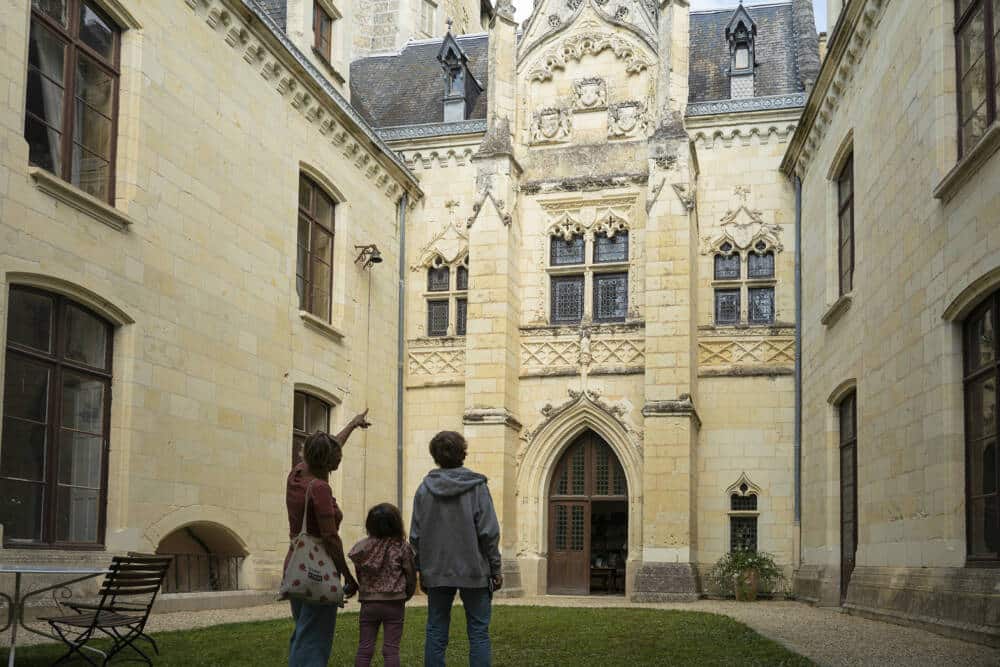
x,y
456,536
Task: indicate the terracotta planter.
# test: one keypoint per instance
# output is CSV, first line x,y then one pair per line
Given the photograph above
x,y
746,585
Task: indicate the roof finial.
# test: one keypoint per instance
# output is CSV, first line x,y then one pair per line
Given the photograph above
x,y
451,21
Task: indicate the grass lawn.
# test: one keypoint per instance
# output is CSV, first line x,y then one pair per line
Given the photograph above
x,y
522,636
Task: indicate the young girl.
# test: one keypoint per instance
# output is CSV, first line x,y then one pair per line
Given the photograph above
x,y
386,579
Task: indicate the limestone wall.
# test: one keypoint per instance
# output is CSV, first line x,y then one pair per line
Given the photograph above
x,y
209,344
922,261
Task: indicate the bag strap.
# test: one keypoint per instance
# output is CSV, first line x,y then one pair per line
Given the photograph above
x,y
305,510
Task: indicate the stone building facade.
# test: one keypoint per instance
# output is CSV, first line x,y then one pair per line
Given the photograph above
x,y
161,347
900,189
600,288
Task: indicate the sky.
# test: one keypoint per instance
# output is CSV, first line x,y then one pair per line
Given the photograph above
x,y
524,7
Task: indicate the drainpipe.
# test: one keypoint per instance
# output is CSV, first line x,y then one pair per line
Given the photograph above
x,y
798,356
401,349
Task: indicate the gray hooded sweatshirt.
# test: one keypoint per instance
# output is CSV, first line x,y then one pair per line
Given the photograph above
x,y
454,530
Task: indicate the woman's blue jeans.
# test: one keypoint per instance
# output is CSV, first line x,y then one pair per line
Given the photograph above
x,y
312,639
478,608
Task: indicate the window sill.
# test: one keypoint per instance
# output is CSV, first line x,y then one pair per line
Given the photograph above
x,y
837,310
321,327
76,198
330,69
967,167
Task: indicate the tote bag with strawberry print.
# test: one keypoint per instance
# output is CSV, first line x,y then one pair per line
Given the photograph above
x,y
310,576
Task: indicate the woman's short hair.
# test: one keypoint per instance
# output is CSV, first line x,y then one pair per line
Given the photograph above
x,y
321,452
448,449
385,521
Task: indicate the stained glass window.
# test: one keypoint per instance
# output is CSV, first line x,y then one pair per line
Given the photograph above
x,y
439,280
727,306
567,299
727,268
567,252
742,533
762,305
614,249
760,265
610,297
462,308
437,318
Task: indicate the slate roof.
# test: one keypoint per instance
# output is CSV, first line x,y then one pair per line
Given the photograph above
x,y
277,10
777,47
407,88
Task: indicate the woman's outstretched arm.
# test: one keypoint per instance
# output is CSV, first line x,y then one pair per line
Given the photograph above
x,y
360,421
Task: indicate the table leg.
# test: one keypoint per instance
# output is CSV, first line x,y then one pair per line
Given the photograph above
x,y
15,612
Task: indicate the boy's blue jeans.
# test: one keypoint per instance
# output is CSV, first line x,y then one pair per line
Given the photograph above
x,y
478,609
312,639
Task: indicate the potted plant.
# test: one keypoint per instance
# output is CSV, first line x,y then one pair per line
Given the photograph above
x,y
743,574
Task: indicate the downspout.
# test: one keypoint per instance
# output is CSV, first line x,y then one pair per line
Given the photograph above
x,y
798,357
401,349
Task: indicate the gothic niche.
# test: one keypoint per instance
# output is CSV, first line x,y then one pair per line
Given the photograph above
x,y
590,94
626,119
551,125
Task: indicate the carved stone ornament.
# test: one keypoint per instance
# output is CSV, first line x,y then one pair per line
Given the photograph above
x,y
589,43
743,487
590,94
618,411
744,228
551,125
447,248
627,119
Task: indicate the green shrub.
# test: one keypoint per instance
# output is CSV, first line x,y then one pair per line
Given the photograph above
x,y
721,578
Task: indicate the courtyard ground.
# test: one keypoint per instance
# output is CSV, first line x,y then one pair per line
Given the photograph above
x,y
825,636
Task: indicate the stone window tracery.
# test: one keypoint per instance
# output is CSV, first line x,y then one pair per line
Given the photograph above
x,y
743,516
604,276
447,298
757,289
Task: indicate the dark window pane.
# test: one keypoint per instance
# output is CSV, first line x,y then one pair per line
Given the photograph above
x,y
727,307
982,341
563,484
80,459
439,280
982,402
97,31
845,182
984,526
761,265
848,419
46,51
319,416
461,316
305,194
83,403
462,278
322,248
87,338
577,539
602,472
562,527
299,412
983,467
744,503
77,510
21,507
324,209
567,299
743,533
320,290
973,85
44,99
91,173
579,464
26,389
30,319
23,453
55,9
437,318
762,305
567,252
44,148
611,297
614,249
94,87
727,268
297,442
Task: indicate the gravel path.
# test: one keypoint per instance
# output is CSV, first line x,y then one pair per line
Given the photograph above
x,y
827,636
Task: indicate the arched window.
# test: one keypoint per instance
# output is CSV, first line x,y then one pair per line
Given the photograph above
x,y
982,407
56,408
311,414
314,265
743,520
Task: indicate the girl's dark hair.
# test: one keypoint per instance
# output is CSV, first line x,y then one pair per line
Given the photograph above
x,y
321,452
385,521
448,449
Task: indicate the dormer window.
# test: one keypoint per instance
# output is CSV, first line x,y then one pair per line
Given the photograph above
x,y
460,87
741,34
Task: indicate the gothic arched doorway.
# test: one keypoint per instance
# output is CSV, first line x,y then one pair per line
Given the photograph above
x,y
588,520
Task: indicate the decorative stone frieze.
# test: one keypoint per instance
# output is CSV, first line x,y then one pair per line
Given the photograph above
x,y
627,119
729,349
590,94
744,105
439,158
582,350
437,359
730,137
404,132
552,125
590,43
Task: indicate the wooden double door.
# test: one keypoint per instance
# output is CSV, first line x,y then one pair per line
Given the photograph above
x,y
588,474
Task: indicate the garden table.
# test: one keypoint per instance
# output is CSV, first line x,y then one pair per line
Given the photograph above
x,y
16,604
